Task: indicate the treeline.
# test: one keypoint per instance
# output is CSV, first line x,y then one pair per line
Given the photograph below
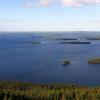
x,y
30,91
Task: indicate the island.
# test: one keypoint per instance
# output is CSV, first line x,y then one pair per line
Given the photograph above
x,y
75,42
94,61
65,62
64,38
92,38
36,42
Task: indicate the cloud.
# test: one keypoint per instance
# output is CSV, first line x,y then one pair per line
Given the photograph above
x,y
72,3
29,4
39,3
77,3
45,3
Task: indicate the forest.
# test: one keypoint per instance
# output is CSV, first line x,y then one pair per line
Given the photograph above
x,y
55,91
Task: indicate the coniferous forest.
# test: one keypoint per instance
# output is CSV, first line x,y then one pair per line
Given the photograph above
x,y
30,91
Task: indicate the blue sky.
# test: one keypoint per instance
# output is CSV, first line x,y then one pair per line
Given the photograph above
x,y
49,15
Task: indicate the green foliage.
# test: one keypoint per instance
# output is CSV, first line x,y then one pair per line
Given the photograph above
x,y
30,91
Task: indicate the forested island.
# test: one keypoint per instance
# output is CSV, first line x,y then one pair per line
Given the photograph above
x,y
30,91
94,61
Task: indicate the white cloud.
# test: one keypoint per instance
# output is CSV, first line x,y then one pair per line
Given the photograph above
x,y
77,3
45,2
72,3
39,3
29,4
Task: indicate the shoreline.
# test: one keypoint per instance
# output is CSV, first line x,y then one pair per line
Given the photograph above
x,y
31,91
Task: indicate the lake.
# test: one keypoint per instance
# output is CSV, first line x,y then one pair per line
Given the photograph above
x,y
38,56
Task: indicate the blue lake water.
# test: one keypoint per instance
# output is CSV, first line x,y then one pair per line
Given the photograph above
x,y
23,61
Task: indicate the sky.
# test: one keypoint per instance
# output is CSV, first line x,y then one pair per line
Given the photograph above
x,y
49,15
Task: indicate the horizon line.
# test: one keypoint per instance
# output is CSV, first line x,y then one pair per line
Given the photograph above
x,y
48,31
